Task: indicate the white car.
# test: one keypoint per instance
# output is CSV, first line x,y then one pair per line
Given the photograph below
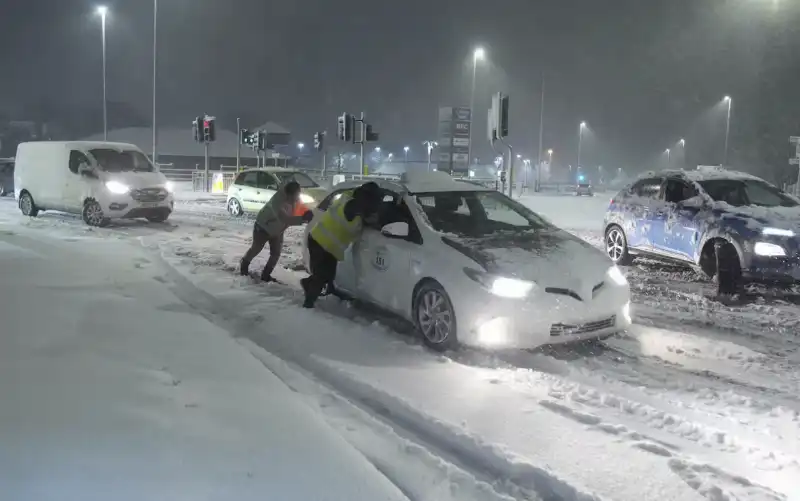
x,y
253,188
466,264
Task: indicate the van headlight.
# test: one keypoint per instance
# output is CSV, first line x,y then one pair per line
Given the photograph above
x,y
615,275
511,288
306,199
117,188
169,186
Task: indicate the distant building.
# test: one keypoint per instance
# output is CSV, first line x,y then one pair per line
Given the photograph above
x,y
177,146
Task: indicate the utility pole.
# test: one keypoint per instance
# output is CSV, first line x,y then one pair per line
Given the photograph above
x,y
208,181
155,74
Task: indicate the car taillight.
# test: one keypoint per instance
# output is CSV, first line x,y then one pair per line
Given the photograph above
x,y
611,202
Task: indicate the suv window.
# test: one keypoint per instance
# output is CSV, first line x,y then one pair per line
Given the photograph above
x,y
647,188
677,190
247,179
267,181
76,159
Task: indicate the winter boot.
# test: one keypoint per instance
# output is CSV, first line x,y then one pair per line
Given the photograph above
x,y
244,268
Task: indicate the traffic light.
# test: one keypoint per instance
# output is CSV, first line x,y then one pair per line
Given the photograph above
x,y
261,141
198,137
319,139
244,137
499,112
209,131
369,135
345,126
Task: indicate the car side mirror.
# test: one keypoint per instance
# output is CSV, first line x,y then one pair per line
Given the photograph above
x,y
395,230
695,202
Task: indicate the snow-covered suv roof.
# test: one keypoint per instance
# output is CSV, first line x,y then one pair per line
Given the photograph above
x,y
702,173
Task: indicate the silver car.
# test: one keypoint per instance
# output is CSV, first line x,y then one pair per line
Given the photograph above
x,y
584,189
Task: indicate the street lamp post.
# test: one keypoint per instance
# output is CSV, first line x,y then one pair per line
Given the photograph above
x,y
580,140
668,152
727,129
155,75
430,145
103,11
477,55
405,151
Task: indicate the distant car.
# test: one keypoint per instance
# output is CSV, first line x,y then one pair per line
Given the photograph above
x,y
98,180
6,176
253,188
467,264
686,216
584,189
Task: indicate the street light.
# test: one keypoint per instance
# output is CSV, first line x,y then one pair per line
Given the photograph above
x,y
682,142
300,146
430,145
477,55
405,150
580,140
102,11
728,100
667,151
550,156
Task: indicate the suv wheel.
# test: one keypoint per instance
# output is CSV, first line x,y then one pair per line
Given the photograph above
x,y
617,245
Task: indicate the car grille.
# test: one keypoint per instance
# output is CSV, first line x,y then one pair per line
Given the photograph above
x,y
588,327
149,195
573,294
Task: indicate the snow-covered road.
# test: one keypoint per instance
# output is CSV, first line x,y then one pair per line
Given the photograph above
x,y
697,401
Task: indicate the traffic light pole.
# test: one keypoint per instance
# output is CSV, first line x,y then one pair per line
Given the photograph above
x,y
238,145
362,165
208,183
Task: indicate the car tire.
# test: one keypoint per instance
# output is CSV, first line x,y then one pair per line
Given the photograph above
x,y
159,218
616,245
92,214
435,317
235,207
27,206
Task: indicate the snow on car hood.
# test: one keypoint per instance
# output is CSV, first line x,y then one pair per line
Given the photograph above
x,y
136,180
551,258
779,217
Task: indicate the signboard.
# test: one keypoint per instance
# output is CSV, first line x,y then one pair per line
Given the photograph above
x,y
794,139
453,138
794,161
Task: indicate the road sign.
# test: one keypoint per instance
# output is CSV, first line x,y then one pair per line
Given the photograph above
x,y
794,139
794,161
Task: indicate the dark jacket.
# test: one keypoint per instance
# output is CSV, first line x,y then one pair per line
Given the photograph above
x,y
278,214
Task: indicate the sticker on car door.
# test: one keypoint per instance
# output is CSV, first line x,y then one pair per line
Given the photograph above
x,y
381,259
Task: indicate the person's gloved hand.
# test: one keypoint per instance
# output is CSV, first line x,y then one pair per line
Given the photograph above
x,y
308,216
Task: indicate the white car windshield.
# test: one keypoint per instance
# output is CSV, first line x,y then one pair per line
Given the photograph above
x,y
477,213
742,192
111,160
302,179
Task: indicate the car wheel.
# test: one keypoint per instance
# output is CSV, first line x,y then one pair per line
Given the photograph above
x,y
160,218
93,214
617,245
435,317
235,208
27,206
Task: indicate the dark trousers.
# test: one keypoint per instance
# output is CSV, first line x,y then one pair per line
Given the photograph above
x,y
260,239
323,271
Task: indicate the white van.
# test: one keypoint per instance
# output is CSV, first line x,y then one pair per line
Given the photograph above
x,y
98,180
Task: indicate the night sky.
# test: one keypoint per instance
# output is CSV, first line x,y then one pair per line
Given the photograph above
x,y
642,73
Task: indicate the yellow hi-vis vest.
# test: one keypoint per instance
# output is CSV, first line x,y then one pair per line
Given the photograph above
x,y
334,232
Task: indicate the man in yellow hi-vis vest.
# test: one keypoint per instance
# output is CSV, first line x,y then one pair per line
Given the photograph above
x,y
337,228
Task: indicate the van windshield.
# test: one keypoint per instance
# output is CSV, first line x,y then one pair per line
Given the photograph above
x,y
110,160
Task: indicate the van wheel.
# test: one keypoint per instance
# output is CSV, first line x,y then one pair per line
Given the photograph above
x,y
27,206
93,214
435,317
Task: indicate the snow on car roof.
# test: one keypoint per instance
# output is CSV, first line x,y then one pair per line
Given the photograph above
x,y
702,173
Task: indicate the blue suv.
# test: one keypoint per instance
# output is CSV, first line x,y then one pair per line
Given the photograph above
x,y
707,217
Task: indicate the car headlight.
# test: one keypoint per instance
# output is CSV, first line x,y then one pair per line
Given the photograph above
x,y
777,232
616,276
510,288
769,250
117,188
169,186
306,199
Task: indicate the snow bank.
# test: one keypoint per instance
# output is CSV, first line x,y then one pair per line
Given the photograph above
x,y
112,388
